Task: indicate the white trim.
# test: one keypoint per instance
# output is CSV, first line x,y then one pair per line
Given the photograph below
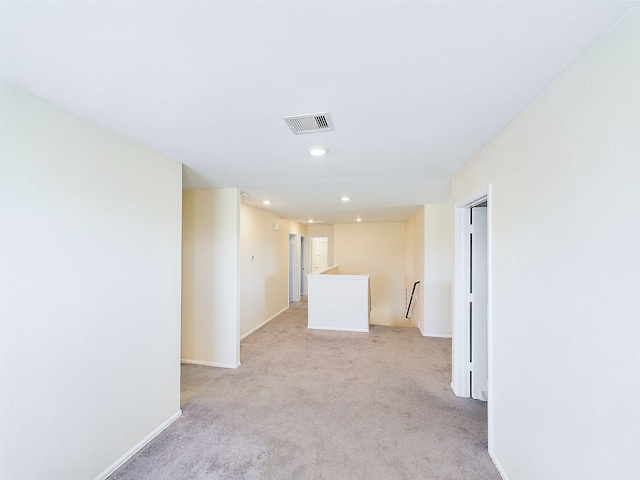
x,y
341,329
263,323
460,335
137,447
210,364
435,335
498,465
460,344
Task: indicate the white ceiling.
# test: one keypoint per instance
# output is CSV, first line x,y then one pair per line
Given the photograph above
x,y
414,88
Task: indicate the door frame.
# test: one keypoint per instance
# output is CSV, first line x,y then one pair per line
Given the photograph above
x,y
461,328
294,285
304,263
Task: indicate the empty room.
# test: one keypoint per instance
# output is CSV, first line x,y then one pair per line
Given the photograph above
x,y
320,240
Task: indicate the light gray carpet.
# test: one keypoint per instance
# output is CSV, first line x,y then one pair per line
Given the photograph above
x,y
309,404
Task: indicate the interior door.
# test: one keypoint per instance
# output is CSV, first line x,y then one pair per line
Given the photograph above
x,y
478,303
304,260
319,253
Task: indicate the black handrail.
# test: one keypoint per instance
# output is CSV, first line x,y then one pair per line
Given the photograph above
x,y
411,299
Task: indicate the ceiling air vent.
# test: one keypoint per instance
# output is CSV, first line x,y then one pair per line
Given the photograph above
x,y
310,123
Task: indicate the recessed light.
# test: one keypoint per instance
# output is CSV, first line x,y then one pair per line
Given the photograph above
x,y
318,151
266,202
345,199
358,219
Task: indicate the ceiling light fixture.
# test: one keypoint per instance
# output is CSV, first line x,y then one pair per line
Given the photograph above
x,y
358,219
266,202
345,199
318,151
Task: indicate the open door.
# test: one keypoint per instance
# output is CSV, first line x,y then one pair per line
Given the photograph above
x,y
471,346
478,302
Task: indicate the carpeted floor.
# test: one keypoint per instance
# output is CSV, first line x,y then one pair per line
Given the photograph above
x,y
310,404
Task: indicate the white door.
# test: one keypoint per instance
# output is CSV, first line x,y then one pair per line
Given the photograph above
x,y
478,303
319,253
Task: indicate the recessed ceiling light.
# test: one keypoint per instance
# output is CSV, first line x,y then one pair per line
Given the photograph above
x,y
318,151
310,221
266,202
358,219
345,199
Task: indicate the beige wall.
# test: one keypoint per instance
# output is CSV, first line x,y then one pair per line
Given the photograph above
x,y
264,281
379,250
438,269
210,277
89,291
414,269
564,337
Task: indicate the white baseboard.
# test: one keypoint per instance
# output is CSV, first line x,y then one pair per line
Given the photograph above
x,y
210,364
498,465
363,330
138,446
435,335
263,323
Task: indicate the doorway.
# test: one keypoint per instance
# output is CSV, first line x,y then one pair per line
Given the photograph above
x,y
304,262
294,291
471,348
319,253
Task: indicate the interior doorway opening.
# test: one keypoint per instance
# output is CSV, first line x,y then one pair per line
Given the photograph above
x,y
294,290
304,264
319,253
471,347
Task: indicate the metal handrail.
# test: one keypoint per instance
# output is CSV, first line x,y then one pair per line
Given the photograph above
x,y
411,299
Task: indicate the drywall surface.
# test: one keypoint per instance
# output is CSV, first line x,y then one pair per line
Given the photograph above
x,y
264,266
210,277
89,292
565,358
414,267
339,302
438,269
376,249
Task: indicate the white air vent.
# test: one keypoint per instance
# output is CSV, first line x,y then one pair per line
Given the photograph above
x,y
310,123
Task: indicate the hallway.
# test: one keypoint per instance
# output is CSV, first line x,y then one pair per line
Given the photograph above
x,y
308,404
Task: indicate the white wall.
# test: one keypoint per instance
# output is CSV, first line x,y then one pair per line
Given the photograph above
x,y
89,293
377,249
338,302
210,277
438,269
565,330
